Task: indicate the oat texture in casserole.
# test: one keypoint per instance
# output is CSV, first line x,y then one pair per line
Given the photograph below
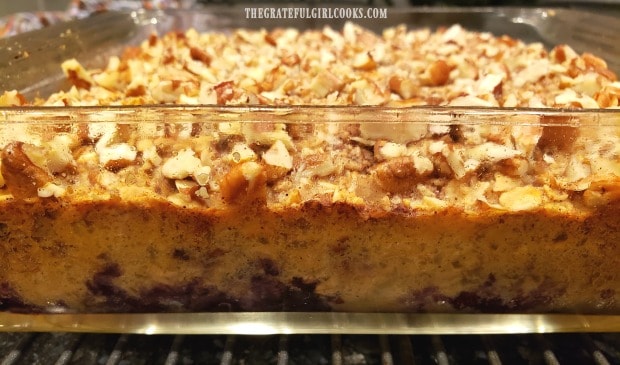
x,y
321,189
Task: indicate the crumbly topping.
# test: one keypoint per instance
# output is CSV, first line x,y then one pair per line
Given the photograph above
x,y
451,66
374,166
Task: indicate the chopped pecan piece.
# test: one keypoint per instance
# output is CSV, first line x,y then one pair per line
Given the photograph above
x,y
153,40
77,75
10,98
402,86
271,39
138,90
22,177
224,92
599,65
325,83
244,182
364,62
437,73
399,174
290,59
602,193
198,54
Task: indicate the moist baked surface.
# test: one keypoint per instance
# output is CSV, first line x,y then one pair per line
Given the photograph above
x,y
186,214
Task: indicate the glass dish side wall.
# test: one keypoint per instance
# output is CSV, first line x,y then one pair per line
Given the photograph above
x,y
177,209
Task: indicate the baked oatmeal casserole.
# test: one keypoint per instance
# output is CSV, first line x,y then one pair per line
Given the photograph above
x,y
273,214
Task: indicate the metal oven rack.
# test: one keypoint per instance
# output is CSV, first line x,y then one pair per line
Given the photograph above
x,y
114,349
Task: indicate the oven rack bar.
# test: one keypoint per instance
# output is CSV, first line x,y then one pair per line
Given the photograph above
x,y
121,349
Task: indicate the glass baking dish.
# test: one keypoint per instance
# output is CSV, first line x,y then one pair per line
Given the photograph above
x,y
499,254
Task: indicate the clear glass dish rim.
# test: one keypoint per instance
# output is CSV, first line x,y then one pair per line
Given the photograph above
x,y
39,115
268,323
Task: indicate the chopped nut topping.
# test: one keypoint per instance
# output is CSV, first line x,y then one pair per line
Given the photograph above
x,y
278,155
400,67
241,152
243,182
437,73
364,61
325,83
374,165
266,133
12,98
402,86
387,150
22,177
51,189
202,175
199,55
399,133
112,155
77,74
181,166
521,198
401,174
291,60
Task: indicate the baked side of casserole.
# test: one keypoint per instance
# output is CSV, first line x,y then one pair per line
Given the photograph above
x,y
275,214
